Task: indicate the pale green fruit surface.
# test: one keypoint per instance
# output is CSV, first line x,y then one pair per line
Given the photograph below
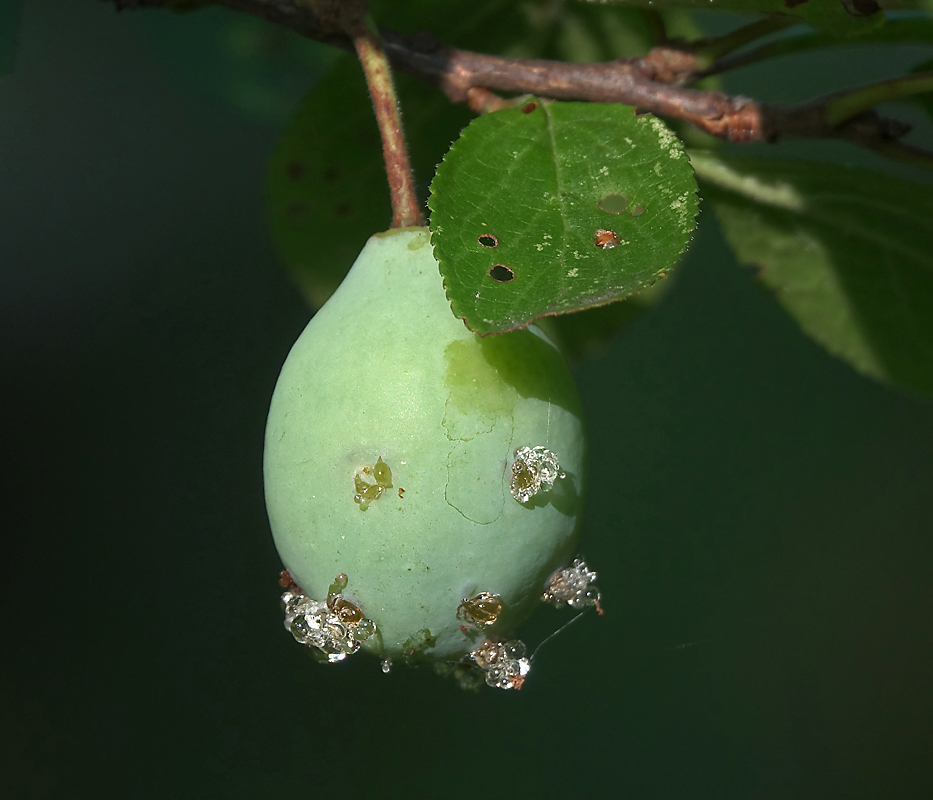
x,y
385,370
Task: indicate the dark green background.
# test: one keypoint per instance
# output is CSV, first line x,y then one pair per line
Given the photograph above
x,y
760,515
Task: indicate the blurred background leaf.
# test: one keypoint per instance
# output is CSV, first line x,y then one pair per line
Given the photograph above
x,y
327,185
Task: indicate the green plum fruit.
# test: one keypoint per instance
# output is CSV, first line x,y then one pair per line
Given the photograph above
x,y
437,474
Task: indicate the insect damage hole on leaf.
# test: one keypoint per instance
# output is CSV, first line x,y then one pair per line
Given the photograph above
x,y
487,240
501,273
638,211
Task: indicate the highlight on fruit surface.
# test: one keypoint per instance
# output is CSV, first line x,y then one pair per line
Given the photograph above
x,y
437,474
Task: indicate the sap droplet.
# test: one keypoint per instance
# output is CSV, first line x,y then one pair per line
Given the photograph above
x,y
382,474
504,663
573,586
333,628
365,492
534,469
481,610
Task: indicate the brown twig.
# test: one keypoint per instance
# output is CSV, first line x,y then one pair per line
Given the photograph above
x,y
406,211
652,83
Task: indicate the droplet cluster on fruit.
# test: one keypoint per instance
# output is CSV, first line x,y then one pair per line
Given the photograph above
x,y
389,460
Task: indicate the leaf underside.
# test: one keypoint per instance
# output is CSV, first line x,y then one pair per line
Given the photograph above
x,y
556,207
847,252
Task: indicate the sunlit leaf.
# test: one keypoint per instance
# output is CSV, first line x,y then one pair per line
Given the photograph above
x,y
847,252
556,207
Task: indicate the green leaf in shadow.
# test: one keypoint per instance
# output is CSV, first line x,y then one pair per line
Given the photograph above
x,y
847,252
326,182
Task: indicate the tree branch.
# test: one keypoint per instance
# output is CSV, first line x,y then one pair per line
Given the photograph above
x,y
654,82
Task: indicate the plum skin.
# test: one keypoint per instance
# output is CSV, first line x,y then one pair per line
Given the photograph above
x,y
384,370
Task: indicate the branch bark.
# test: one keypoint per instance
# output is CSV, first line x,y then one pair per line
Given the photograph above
x,y
655,83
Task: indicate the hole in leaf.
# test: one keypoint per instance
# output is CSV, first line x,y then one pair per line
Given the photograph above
x,y
606,239
638,211
501,273
614,203
529,108
487,240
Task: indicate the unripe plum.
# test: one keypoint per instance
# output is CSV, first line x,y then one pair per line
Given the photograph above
x,y
390,458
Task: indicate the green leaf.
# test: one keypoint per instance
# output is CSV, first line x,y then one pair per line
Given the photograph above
x,y
519,203
847,252
851,17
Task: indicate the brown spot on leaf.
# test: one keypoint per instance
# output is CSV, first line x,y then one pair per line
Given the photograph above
x,y
606,239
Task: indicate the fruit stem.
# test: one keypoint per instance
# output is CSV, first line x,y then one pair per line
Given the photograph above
x,y
406,211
